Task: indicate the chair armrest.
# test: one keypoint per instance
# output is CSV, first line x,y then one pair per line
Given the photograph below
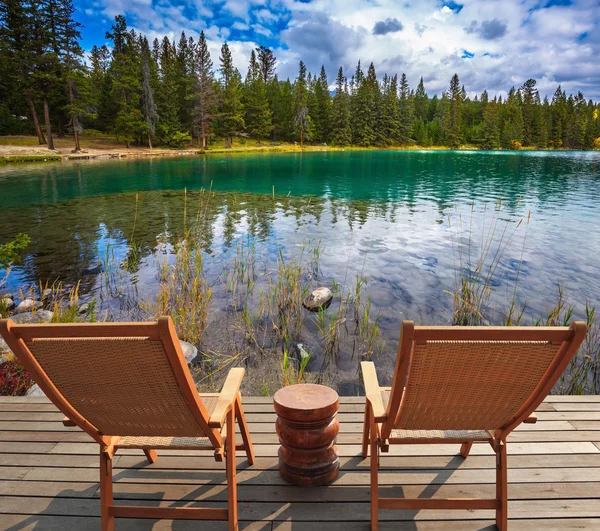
x,y
372,390
227,397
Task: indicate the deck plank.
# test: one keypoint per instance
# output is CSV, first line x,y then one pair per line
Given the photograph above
x,y
49,474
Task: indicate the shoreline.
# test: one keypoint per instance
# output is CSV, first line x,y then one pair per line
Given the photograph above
x,y
22,154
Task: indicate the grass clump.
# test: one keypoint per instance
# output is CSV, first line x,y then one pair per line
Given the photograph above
x,y
476,272
184,293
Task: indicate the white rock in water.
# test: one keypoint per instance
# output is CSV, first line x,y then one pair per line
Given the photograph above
x,y
41,316
84,308
189,351
46,293
28,305
7,302
319,299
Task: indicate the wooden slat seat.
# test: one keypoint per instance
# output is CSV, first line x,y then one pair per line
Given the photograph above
x,y
165,442
465,435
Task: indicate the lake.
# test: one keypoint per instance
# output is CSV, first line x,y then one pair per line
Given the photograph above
x,y
405,222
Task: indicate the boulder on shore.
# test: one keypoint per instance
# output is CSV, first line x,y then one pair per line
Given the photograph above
x,y
41,316
28,305
46,294
319,299
7,303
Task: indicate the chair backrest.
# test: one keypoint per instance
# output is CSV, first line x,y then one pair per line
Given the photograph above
x,y
476,378
114,379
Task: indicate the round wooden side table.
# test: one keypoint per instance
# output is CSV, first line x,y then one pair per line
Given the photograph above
x,y
307,426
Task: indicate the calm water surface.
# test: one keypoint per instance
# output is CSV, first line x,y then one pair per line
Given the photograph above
x,y
397,218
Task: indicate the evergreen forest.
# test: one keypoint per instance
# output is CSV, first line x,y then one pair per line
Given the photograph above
x,y
174,94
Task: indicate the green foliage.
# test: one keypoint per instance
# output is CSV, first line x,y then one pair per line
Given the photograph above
x,y
452,113
341,134
258,113
11,252
231,111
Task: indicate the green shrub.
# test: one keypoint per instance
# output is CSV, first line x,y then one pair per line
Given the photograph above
x,y
10,252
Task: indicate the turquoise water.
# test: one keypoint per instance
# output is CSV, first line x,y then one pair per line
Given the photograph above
x,y
400,219
443,177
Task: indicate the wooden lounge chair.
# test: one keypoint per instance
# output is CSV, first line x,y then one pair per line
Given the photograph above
x,y
462,385
128,386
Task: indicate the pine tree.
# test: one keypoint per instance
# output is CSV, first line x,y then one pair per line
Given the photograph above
x,y
511,135
405,110
124,69
44,42
281,94
322,111
558,118
452,114
75,72
421,102
101,88
389,116
20,51
491,126
185,77
267,62
232,112
169,95
302,119
363,103
204,94
258,114
340,113
530,97
149,75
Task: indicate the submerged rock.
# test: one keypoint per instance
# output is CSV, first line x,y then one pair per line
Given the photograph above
x,y
319,299
93,270
28,305
299,351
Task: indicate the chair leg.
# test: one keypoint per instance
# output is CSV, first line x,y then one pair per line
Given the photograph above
x,y
151,455
106,492
502,487
465,449
365,437
241,419
231,472
374,478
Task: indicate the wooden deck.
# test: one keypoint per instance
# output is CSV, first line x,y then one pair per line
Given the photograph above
x,y
49,473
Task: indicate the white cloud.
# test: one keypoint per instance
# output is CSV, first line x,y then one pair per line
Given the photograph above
x,y
511,40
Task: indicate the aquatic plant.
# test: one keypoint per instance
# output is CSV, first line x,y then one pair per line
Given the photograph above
x,y
291,373
184,293
476,274
476,265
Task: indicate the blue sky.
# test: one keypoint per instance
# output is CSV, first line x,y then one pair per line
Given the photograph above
x,y
491,44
